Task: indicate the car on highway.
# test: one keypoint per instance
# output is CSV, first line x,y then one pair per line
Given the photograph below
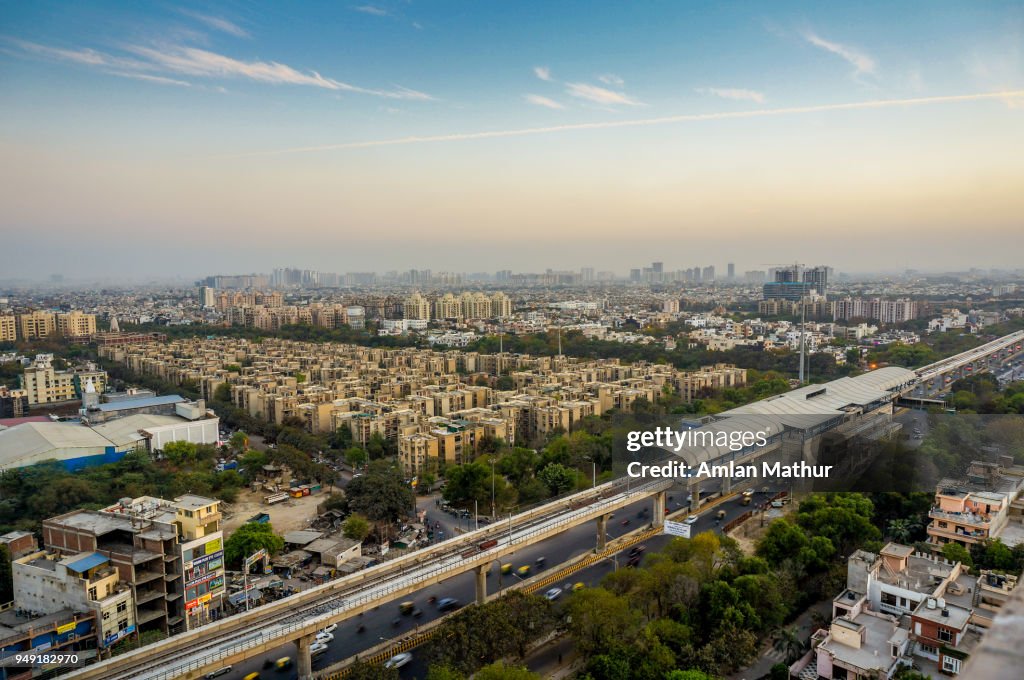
x,y
578,586
224,670
636,550
317,648
283,663
330,629
252,676
692,519
398,660
523,571
324,637
447,604
553,594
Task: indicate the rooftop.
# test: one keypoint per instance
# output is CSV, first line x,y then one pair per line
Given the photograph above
x,y
880,631
952,615
144,402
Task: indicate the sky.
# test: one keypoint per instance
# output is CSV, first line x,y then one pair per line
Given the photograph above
x,y
183,139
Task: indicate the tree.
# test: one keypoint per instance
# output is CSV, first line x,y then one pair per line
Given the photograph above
x,y
692,674
558,478
180,452
6,575
381,494
355,456
787,642
601,621
500,671
366,671
779,671
239,442
356,527
249,538
954,552
443,672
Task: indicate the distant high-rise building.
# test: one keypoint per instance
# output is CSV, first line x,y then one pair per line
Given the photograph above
x,y
587,274
416,307
658,267
755,276
634,275
817,277
707,275
732,271
207,297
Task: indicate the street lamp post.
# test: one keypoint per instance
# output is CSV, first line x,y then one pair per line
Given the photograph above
x,y
492,489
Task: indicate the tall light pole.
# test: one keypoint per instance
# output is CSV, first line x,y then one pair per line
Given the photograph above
x,y
492,489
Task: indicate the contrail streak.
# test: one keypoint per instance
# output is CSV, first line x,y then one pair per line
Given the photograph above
x,y
642,122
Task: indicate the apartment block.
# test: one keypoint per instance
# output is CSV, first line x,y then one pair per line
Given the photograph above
x,y
76,324
34,325
46,582
8,328
169,553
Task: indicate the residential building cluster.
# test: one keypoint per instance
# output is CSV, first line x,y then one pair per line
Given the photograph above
x,y
436,405
35,325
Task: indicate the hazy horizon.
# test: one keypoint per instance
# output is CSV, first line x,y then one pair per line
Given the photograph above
x,y
148,141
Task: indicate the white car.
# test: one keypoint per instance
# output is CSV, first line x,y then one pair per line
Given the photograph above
x,y
324,637
217,673
330,629
553,594
317,648
692,519
398,660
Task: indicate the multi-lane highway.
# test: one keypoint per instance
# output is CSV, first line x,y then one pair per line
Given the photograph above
x,y
299,617
572,543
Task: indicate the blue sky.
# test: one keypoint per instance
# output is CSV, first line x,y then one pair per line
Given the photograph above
x,y
385,130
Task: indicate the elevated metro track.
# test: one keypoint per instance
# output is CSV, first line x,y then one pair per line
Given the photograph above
x,y
299,617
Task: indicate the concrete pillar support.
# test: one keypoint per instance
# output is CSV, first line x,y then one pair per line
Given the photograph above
x,y
694,488
659,508
303,660
726,485
481,583
602,532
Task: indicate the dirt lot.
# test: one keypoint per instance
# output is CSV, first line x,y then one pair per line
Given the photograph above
x,y
289,515
748,533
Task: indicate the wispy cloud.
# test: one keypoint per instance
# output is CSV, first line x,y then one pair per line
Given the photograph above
x,y
611,79
737,93
371,9
543,101
542,72
861,62
599,95
153,79
1014,95
156,62
217,23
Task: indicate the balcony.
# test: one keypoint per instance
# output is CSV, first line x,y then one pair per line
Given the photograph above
x,y
959,517
934,530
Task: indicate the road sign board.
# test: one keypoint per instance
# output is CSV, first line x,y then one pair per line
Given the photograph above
x,y
677,529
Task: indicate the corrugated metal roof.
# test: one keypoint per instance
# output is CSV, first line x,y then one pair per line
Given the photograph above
x,y
84,564
145,402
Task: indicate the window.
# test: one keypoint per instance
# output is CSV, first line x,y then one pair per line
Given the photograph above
x,y
92,593
106,615
945,635
122,624
950,665
122,607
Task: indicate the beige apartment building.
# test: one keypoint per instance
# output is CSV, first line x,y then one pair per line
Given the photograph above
x,y
35,325
76,324
8,328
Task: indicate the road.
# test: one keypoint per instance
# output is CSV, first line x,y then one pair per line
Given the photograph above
x,y
572,543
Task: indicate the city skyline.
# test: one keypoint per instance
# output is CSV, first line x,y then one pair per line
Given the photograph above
x,y
147,141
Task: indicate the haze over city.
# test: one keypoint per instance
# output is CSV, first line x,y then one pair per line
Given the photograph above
x,y
145,140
